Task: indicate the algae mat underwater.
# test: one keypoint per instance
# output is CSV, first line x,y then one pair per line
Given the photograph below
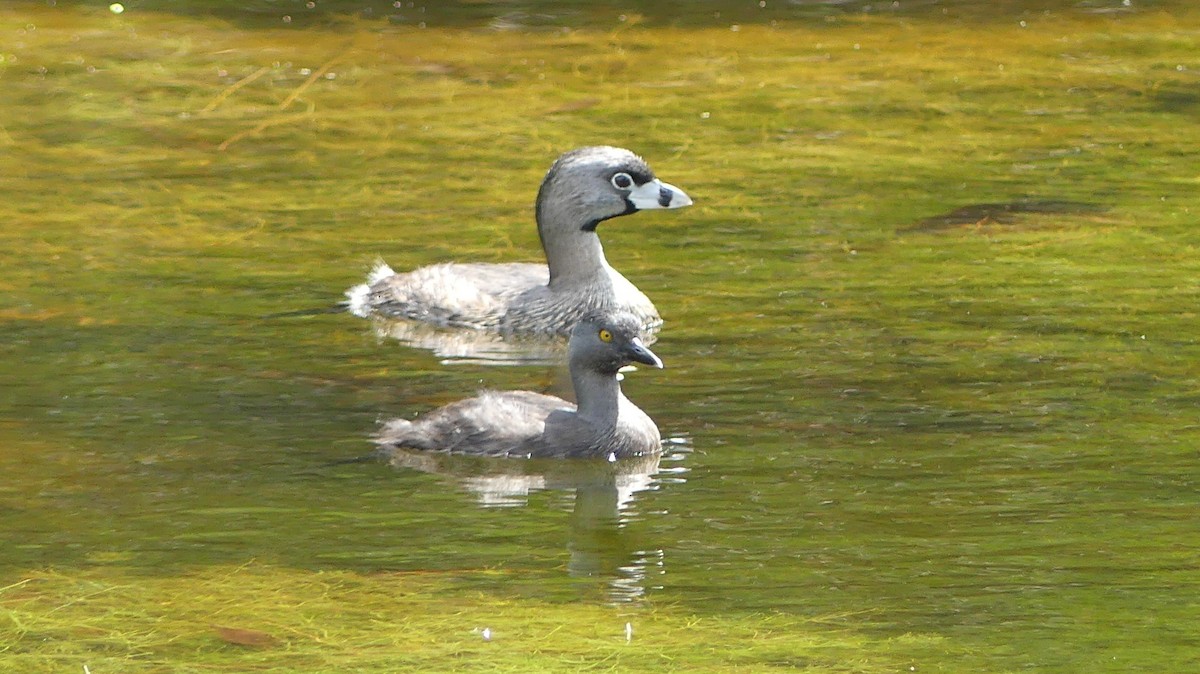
x,y
930,387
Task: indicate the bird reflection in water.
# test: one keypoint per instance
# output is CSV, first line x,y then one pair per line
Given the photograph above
x,y
604,503
473,346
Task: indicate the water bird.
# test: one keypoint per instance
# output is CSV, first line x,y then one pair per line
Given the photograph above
x,y
583,188
603,424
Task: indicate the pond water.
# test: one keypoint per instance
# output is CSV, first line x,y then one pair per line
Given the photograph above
x,y
930,391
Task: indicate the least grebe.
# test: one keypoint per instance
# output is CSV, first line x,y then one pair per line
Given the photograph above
x,y
602,424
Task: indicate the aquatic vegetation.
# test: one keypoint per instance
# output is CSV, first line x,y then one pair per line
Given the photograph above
x,y
930,327
263,618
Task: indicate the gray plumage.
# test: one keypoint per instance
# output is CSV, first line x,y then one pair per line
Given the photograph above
x,y
583,188
603,424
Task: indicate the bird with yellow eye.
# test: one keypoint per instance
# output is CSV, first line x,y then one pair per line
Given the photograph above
x,y
602,424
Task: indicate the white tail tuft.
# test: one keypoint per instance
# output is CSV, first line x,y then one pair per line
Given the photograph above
x,y
380,272
359,297
358,300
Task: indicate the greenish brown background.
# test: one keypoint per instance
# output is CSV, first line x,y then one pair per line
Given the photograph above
x,y
930,342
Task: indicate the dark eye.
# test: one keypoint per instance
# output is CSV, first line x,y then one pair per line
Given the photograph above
x,y
622,181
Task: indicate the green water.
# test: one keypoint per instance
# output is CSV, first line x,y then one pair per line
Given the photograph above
x,y
931,376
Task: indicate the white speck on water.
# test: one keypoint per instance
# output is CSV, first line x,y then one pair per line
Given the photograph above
x,y
1181,67
762,3
705,115
486,634
628,632
1127,3
735,28
857,46
287,19
331,76
1024,25
116,8
306,71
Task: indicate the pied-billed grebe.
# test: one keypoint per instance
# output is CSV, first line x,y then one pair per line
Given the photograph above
x,y
583,188
603,423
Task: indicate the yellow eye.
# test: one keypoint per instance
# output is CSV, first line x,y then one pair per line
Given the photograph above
x,y
605,335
